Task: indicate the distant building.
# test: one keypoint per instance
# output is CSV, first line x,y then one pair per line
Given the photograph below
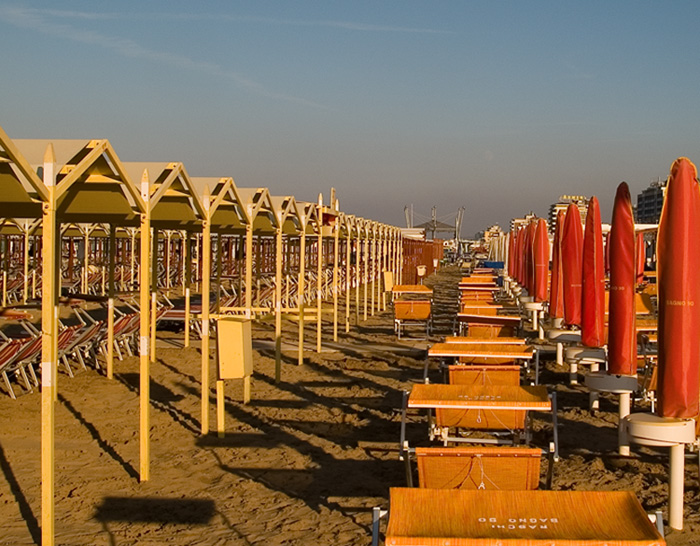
x,y
581,201
650,202
516,223
493,231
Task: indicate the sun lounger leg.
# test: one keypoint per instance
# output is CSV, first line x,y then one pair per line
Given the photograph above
x,y
69,370
9,385
555,426
377,515
32,374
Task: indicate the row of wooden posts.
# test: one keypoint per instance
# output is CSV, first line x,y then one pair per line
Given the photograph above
x,y
54,193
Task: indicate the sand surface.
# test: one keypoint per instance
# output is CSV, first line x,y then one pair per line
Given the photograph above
x,y
303,463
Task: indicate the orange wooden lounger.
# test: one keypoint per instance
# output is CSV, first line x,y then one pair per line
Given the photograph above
x,y
432,517
497,409
412,311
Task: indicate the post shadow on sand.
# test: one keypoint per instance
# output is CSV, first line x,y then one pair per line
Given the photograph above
x,y
368,477
104,445
25,509
162,398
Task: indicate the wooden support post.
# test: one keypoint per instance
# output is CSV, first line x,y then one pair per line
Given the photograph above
x,y
336,255
278,305
301,292
373,270
154,292
110,304
186,272
220,409
25,294
48,353
206,289
348,270
249,269
319,282
365,273
144,356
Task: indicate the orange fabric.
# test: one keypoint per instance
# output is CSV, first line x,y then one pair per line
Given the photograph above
x,y
622,338
411,310
488,350
572,267
556,291
484,375
593,289
500,468
488,330
540,255
679,294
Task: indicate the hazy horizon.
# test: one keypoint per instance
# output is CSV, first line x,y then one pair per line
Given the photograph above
x,y
496,107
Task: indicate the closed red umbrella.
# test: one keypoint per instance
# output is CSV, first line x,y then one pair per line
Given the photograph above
x,y
511,252
607,254
622,339
678,268
556,289
641,257
593,300
518,257
571,260
529,262
541,260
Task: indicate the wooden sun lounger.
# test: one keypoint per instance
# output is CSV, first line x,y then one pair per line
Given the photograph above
x,y
412,311
500,409
433,517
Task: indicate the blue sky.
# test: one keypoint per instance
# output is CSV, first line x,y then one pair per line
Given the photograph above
x,y
499,107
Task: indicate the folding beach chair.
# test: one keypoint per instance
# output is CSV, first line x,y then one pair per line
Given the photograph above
x,y
8,351
412,311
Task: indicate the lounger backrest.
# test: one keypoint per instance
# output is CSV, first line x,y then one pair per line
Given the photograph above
x,y
482,360
643,304
505,468
481,419
484,375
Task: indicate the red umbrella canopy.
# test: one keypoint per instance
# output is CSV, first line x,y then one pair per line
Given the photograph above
x,y
593,302
518,257
607,254
678,270
541,260
571,261
641,257
622,337
511,252
529,272
556,292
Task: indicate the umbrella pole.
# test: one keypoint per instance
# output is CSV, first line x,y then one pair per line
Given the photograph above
x,y
675,487
624,411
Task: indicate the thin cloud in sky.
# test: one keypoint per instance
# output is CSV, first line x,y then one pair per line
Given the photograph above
x,y
40,21
347,25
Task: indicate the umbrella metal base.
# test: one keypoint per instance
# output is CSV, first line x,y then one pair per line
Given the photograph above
x,y
649,429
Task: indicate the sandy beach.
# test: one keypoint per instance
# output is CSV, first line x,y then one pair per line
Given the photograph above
x,y
303,463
